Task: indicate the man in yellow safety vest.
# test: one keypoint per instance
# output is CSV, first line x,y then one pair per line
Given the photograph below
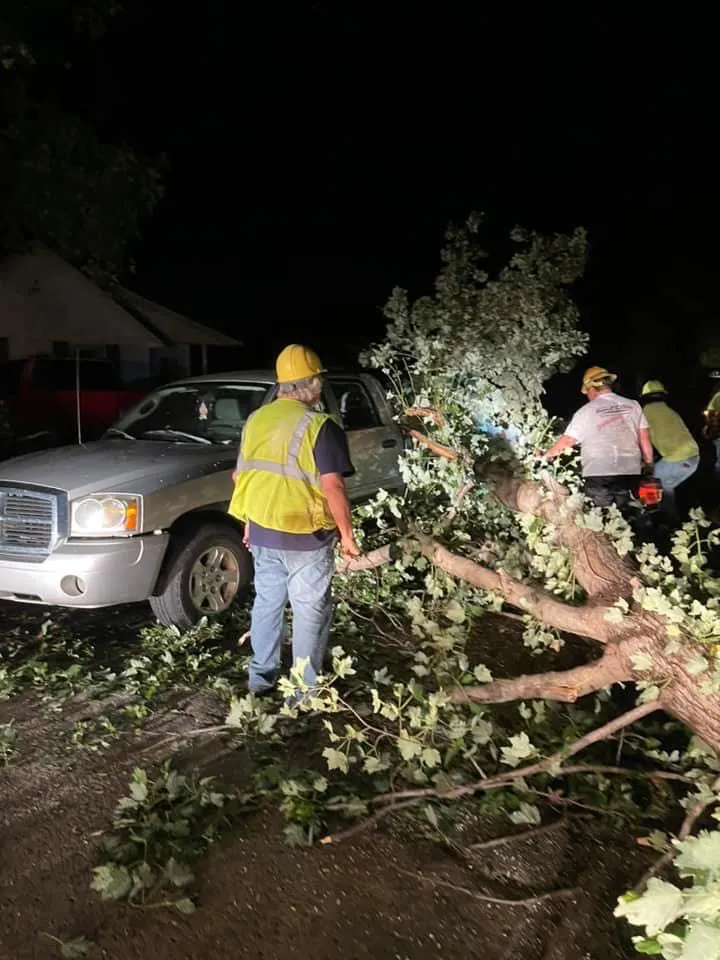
x,y
679,452
290,494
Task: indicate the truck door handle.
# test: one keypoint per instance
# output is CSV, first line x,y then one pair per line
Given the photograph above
x,y
389,443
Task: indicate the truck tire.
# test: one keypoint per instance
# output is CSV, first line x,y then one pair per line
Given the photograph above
x,y
209,568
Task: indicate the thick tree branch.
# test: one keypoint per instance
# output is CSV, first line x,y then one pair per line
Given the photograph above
x,y
599,570
564,685
585,621
368,561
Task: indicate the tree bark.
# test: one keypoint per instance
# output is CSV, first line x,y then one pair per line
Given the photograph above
x,y
565,685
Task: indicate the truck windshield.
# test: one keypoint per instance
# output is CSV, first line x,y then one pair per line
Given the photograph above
x,y
209,412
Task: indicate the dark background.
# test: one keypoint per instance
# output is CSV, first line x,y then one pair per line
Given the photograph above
x,y
315,157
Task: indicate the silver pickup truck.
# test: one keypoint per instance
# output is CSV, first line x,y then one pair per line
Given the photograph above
x,y
141,514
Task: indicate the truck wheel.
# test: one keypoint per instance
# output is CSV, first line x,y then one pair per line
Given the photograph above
x,y
209,569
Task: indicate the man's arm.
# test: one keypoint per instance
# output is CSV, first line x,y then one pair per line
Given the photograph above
x,y
562,443
332,459
646,446
333,486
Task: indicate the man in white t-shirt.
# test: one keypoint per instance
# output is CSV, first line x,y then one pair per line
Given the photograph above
x,y
614,440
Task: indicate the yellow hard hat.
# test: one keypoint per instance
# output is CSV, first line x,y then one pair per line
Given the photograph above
x,y
653,386
297,363
597,377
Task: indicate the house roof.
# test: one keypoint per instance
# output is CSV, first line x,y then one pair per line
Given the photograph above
x,y
172,327
44,298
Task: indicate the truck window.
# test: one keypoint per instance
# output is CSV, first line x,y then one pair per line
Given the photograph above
x,y
216,411
356,407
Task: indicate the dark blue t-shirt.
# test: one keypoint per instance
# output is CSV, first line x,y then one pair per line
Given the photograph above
x,y
331,456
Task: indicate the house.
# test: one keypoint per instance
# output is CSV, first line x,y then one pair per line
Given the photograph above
x,y
49,307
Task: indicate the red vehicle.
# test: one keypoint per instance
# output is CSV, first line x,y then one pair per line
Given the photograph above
x,y
41,399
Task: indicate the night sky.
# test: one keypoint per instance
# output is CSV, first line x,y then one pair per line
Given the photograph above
x,y
314,159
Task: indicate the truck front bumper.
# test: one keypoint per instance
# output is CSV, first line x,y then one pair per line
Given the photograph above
x,y
87,573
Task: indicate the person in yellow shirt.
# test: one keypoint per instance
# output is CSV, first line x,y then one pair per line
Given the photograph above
x,y
290,494
711,430
679,452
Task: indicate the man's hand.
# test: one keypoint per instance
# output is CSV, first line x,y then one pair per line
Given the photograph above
x,y
349,548
246,536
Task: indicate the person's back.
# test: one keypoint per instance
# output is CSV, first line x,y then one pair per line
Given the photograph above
x,y
614,441
668,432
607,430
679,453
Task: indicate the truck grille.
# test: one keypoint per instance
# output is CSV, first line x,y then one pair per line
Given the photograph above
x,y
28,521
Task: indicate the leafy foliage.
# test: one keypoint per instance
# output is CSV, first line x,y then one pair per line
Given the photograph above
x,y
159,830
681,923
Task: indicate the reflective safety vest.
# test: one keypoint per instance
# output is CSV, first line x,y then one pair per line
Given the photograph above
x,y
277,484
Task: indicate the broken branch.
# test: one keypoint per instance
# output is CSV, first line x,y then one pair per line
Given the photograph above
x,y
390,802
426,412
565,686
499,901
437,448
586,621
368,561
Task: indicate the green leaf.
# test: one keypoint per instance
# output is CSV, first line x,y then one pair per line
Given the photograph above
x,y
649,693
655,909
138,785
482,674
184,906
650,947
702,942
112,881
455,612
430,757
526,813
336,759
373,764
520,749
409,749
699,857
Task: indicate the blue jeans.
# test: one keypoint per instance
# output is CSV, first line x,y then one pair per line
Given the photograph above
x,y
304,577
671,475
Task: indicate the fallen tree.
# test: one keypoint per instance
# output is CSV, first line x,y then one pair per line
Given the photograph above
x,y
467,368
667,657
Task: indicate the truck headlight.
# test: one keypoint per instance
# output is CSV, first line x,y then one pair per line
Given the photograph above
x,y
105,515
